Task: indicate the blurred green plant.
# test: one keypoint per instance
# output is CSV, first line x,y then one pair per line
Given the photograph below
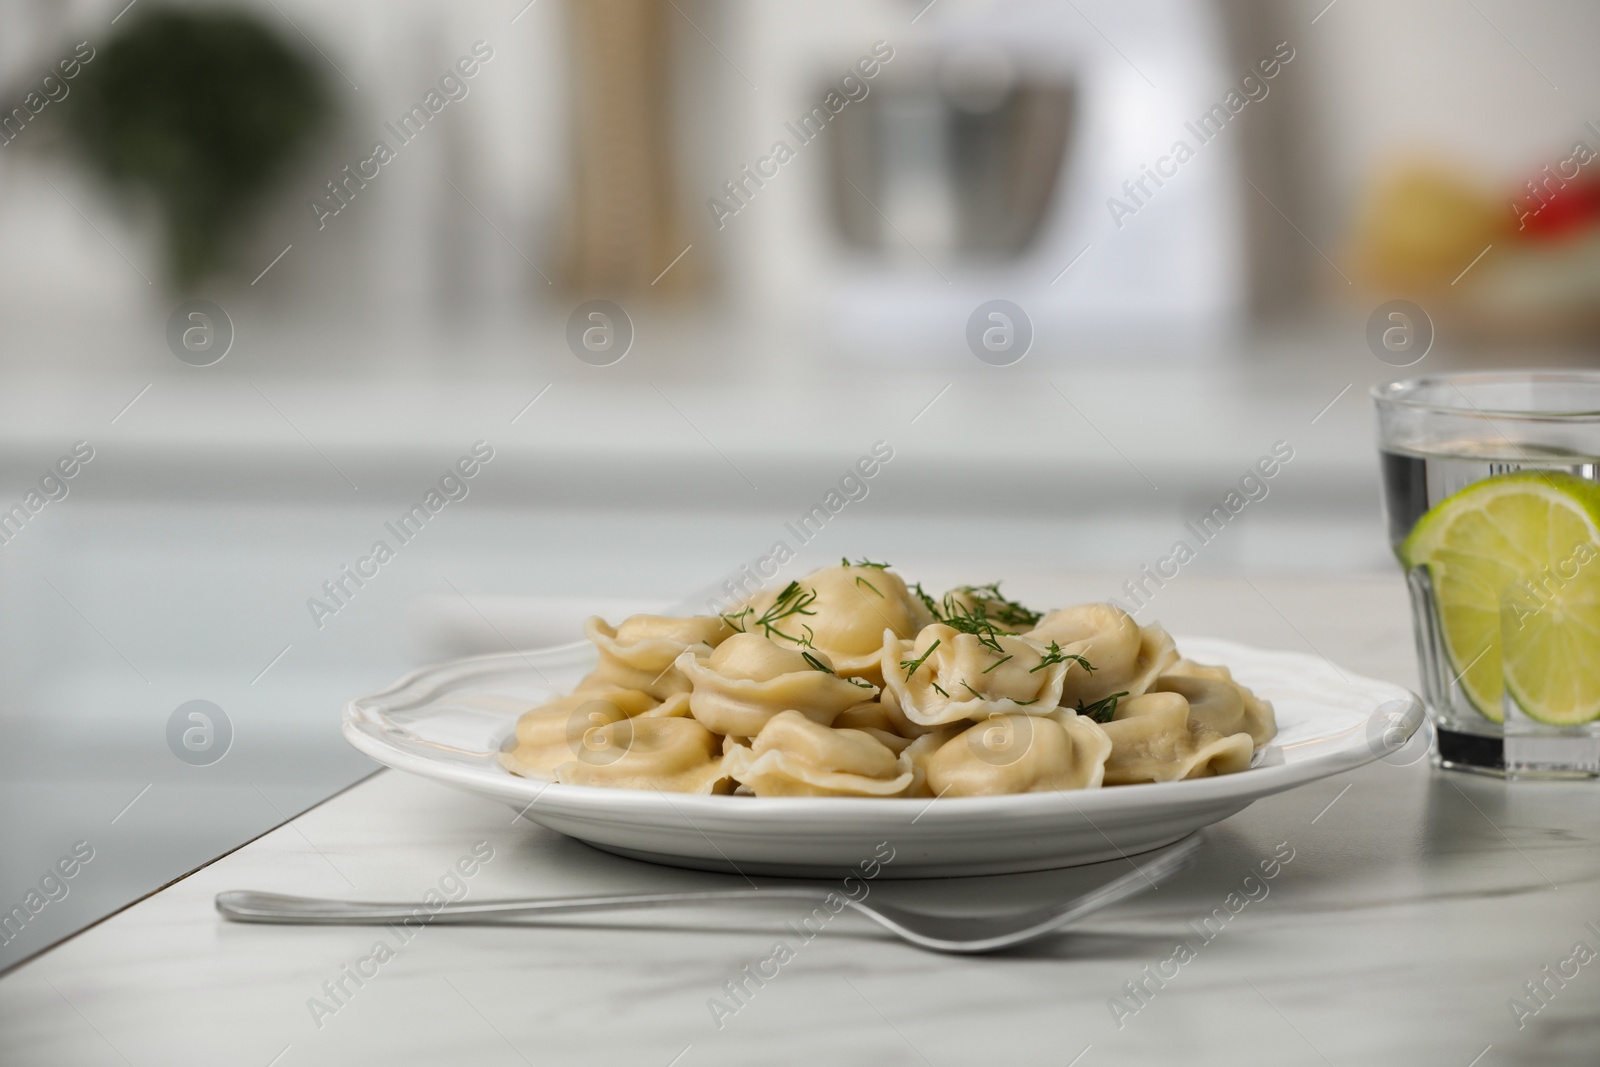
x,y
201,111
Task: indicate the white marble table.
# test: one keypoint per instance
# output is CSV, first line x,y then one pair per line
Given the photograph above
x,y
1414,909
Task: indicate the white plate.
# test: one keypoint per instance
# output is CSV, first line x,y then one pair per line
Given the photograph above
x,y
449,723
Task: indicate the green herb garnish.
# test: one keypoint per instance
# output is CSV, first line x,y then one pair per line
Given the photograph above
x,y
972,620
862,581
818,665
1101,710
910,665
996,663
793,600
999,607
844,561
986,606
1054,655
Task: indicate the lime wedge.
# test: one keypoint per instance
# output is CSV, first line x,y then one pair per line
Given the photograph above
x,y
1515,565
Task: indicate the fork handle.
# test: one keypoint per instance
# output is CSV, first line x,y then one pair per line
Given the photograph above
x,y
242,905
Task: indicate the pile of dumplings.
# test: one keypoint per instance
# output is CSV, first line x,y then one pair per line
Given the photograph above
x,y
849,683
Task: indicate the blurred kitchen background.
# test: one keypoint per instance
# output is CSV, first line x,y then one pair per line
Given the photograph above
x,y
377,313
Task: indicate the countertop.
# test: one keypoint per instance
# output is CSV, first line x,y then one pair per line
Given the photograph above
x,y
1415,906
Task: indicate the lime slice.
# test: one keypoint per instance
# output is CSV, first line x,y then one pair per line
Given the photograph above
x,y
1524,546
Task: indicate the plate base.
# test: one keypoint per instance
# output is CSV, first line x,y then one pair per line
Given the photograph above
x,y
901,869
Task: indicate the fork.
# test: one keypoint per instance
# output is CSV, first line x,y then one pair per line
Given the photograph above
x,y
967,934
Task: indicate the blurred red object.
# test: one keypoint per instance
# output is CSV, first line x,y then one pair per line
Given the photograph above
x,y
1565,210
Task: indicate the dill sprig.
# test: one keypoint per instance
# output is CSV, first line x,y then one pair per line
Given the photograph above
x,y
818,665
971,690
910,666
793,600
972,619
862,581
1054,655
941,691
999,607
1101,710
736,619
979,610
844,561
996,663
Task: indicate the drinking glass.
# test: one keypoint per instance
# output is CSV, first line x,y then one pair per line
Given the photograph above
x,y
1504,579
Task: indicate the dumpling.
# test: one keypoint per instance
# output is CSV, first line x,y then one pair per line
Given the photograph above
x,y
1103,634
891,705
873,718
841,612
945,675
1259,717
1020,754
1154,739
920,751
672,755
1126,657
749,679
553,733
1203,686
1222,705
793,756
640,654
867,715
1157,652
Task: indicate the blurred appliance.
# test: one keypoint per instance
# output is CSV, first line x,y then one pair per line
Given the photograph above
x,y
963,160
982,163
